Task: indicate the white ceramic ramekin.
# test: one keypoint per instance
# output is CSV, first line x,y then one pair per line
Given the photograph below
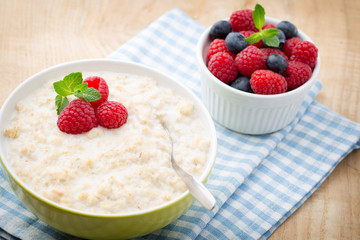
x,y
246,112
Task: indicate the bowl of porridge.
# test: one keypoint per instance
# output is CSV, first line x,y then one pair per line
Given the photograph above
x,y
106,183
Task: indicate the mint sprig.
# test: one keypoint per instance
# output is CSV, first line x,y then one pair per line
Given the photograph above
x,y
73,84
267,35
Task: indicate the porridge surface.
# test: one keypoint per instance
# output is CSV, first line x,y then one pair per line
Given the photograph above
x,y
108,171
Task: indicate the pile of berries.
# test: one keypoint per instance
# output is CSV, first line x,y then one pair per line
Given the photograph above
x,y
81,116
257,67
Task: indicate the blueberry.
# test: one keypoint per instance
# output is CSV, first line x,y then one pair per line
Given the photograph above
x,y
220,29
235,42
242,83
288,28
282,39
276,63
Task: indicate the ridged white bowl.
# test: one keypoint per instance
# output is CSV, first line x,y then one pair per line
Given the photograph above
x,y
247,112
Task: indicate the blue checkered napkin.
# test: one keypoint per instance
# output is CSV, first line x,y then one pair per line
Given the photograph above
x,y
258,181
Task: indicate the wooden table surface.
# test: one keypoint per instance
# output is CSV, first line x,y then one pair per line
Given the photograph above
x,y
38,34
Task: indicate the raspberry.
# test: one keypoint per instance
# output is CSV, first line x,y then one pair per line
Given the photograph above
x,y
268,51
267,82
111,114
99,84
222,66
305,52
289,45
218,45
77,117
249,60
242,20
297,73
248,34
268,25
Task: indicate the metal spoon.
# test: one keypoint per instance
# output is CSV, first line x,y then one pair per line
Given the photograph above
x,y
196,188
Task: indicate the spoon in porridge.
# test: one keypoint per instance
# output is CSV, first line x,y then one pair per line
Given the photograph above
x,y
196,188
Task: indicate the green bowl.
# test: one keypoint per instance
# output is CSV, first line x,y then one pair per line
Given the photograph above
x,y
86,224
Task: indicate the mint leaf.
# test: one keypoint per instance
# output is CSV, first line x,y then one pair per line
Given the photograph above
x,y
73,84
271,42
81,87
72,80
89,95
60,102
259,16
267,35
271,32
61,88
254,38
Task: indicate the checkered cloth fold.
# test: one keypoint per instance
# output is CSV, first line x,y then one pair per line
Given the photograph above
x,y
258,181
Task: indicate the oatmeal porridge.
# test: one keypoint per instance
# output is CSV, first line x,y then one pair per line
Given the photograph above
x,y
108,171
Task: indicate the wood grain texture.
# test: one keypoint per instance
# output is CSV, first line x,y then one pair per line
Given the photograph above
x,y
38,34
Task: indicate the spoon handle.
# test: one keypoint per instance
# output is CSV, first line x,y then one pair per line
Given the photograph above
x,y
202,194
196,188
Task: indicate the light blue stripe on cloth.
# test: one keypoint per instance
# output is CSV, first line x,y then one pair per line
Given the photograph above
x,y
258,181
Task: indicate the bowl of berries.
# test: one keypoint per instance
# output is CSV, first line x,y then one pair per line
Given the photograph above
x,y
255,71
